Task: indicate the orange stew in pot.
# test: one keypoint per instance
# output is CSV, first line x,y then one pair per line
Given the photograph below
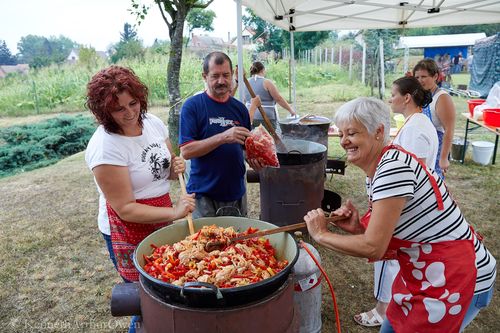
x,y
235,264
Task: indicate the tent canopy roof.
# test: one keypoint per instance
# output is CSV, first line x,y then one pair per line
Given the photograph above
x,y
439,40
318,15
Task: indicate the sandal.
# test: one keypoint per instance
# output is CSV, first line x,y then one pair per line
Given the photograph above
x,y
364,319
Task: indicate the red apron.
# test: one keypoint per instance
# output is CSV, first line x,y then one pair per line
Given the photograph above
x,y
432,291
125,236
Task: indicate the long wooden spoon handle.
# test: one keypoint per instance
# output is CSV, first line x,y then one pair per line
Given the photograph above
x,y
184,191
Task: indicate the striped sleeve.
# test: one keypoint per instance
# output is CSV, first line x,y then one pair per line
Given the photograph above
x,y
393,178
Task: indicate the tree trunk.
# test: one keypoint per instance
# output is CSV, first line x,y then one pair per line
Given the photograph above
x,y
173,74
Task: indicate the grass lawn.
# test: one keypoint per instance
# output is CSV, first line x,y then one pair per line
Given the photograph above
x,y
57,277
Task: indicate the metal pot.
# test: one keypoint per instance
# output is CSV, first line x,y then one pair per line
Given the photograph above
x,y
312,128
301,152
191,294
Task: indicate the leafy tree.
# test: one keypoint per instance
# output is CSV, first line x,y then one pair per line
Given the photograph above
x,y
269,33
41,51
6,58
129,46
87,56
174,13
127,50
199,18
128,33
275,39
305,40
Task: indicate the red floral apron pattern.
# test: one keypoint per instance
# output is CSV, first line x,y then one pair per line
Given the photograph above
x,y
125,236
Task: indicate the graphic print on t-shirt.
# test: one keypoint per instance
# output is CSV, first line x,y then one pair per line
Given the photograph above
x,y
223,122
156,157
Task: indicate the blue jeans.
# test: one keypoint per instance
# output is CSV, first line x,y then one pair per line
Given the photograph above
x,y
109,245
478,302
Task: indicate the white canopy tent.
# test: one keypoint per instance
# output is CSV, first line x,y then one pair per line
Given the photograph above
x,y
318,15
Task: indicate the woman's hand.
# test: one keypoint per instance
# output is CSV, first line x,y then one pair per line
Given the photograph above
x,y
444,164
178,165
255,102
316,224
184,206
351,223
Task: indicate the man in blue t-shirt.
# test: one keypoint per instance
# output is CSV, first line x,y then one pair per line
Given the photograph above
x,y
213,128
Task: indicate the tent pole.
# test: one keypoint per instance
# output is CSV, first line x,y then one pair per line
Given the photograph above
x,y
407,59
292,62
239,33
382,72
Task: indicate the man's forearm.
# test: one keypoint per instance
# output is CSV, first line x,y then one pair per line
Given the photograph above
x,y
202,147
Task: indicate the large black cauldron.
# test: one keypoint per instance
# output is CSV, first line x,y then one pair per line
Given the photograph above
x,y
211,296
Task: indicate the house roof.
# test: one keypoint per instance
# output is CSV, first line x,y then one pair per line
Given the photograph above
x,y
19,68
439,40
206,41
318,15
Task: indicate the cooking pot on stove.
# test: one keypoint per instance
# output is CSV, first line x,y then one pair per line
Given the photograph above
x,y
203,295
301,152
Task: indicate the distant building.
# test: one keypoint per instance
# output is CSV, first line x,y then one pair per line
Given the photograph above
x,y
73,56
203,44
441,44
249,42
19,68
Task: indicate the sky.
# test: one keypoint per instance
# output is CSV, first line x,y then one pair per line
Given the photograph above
x,y
97,23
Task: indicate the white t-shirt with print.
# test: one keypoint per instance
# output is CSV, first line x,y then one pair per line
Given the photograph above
x,y
419,137
146,156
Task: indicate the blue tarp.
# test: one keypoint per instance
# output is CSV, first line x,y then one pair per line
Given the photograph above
x,y
431,52
485,69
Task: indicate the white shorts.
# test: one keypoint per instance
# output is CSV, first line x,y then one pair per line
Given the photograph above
x,y
385,272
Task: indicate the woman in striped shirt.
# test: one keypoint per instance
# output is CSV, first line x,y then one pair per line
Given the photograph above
x,y
447,274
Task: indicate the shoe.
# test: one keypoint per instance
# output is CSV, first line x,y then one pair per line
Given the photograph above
x,y
364,319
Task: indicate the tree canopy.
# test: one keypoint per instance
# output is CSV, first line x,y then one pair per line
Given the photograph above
x,y
275,39
129,45
6,57
174,14
38,51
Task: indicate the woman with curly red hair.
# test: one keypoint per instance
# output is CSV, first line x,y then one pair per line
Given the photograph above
x,y
132,160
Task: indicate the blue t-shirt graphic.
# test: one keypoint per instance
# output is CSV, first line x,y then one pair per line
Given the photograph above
x,y
220,174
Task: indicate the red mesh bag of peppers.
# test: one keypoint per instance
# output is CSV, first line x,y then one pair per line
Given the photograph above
x,y
260,145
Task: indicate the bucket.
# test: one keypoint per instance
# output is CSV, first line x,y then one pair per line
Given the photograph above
x,y
473,103
457,148
400,120
482,152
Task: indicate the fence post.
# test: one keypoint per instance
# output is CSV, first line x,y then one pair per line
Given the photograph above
x,y
37,108
350,62
340,56
333,52
363,64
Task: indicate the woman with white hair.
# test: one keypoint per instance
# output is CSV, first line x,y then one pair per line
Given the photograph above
x,y
446,274
418,136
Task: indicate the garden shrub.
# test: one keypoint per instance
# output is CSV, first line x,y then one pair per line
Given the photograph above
x,y
37,145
